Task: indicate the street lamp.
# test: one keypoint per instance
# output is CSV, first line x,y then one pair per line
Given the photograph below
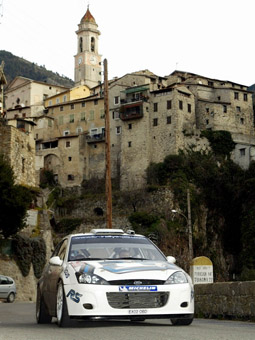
x,y
188,220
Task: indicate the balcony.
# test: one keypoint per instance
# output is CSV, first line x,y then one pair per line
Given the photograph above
x,y
96,138
131,111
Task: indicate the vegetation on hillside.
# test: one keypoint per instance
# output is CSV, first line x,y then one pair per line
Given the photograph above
x,y
227,194
16,66
14,201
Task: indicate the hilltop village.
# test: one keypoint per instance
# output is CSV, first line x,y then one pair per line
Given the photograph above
x,y
44,126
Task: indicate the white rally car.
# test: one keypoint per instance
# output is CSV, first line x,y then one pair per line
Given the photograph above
x,y
111,274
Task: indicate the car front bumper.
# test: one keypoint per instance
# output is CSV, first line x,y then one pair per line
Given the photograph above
x,y
108,301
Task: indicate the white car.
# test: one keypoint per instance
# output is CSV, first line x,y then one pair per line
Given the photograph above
x,y
115,275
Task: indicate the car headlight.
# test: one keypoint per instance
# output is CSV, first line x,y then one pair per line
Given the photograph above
x,y
91,279
175,278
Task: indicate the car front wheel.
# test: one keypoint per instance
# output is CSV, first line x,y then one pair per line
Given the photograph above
x,y
181,322
11,297
63,318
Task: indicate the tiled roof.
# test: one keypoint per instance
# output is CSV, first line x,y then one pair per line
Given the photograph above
x,y
88,17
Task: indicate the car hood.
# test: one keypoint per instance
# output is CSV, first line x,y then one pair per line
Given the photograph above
x,y
123,269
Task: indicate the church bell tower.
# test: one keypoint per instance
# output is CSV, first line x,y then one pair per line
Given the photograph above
x,y
87,69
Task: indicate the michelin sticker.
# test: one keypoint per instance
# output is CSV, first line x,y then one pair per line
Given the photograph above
x,y
138,288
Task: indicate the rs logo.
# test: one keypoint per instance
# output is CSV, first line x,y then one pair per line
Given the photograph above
x,y
74,296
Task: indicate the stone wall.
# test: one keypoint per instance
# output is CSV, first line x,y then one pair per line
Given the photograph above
x,y
231,300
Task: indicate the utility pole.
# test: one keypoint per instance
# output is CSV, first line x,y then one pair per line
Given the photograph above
x,y
108,183
189,227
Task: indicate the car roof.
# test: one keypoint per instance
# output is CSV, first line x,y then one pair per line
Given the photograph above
x,y
108,232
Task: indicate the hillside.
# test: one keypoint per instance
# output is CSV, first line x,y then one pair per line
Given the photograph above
x,y
16,66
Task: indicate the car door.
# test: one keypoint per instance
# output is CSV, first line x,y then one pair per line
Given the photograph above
x,y
4,287
53,273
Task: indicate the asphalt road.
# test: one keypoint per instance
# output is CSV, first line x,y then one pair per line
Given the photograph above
x,y
17,321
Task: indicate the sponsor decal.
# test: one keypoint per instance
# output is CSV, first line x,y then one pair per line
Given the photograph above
x,y
138,288
124,267
74,295
66,272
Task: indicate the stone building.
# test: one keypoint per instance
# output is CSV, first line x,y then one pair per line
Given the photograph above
x,y
18,145
150,117
24,98
70,137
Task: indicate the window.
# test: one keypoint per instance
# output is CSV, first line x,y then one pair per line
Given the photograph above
x,y
116,100
210,83
129,144
49,123
180,104
236,95
189,108
219,98
66,133
96,102
92,41
70,177
225,110
241,121
68,144
242,152
238,109
207,121
50,102
60,120
169,104
245,97
80,44
155,121
168,119
57,101
82,116
83,104
93,132
207,109
130,126
64,98
91,114
115,115
79,129
71,118
61,108
155,107
118,130
69,159
72,106
102,114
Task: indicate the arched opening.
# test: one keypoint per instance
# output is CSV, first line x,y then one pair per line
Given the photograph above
x,y
92,44
81,45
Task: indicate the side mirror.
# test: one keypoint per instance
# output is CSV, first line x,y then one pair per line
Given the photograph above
x,y
171,259
55,261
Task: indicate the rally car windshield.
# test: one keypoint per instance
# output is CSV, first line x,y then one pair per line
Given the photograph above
x,y
91,247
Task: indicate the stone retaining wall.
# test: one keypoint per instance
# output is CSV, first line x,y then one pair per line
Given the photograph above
x,y
231,300
25,286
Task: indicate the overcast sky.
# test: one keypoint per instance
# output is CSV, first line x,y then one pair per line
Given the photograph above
x,y
213,38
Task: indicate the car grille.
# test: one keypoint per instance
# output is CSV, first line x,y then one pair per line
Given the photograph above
x,y
135,282
137,300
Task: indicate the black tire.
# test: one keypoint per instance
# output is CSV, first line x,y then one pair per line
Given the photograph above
x,y
63,319
181,322
11,297
42,315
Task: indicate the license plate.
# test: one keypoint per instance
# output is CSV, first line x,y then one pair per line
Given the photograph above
x,y
137,311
